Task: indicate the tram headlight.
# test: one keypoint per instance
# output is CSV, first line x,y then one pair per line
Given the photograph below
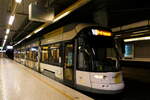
x,y
99,76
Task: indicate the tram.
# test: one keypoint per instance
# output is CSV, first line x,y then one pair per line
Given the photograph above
x,y
83,56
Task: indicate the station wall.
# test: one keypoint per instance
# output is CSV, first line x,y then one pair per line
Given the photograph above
x,y
139,50
142,49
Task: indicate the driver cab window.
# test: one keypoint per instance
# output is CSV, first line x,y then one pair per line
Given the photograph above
x,y
84,60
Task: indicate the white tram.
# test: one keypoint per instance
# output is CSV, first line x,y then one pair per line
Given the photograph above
x,y
83,56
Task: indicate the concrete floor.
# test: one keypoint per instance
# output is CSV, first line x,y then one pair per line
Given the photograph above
x,y
20,83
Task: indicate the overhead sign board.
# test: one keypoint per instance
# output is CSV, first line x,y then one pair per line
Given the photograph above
x,y
40,14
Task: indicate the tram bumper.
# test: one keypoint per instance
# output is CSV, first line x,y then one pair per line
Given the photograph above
x,y
109,81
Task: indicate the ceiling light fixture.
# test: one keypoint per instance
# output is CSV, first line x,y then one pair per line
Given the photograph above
x,y
6,36
137,39
18,1
28,36
7,31
4,43
39,29
61,16
11,19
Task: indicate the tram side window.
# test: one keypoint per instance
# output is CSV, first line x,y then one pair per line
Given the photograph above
x,y
34,51
28,54
22,54
16,54
44,56
54,55
19,54
111,53
69,55
34,55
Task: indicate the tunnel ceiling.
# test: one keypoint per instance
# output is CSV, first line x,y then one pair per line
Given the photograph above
x,y
120,12
123,12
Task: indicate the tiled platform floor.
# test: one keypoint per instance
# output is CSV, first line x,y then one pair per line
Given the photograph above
x,y
20,83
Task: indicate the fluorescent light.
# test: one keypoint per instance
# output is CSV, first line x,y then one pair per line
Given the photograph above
x,y
20,41
147,38
4,43
18,1
6,36
61,16
7,31
141,31
39,29
28,36
9,47
11,20
137,39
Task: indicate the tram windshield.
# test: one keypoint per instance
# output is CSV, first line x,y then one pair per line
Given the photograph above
x,y
97,54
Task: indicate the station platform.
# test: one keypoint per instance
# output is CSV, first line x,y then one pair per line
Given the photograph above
x,y
20,83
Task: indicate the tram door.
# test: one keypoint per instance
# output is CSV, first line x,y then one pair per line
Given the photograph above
x,y
68,63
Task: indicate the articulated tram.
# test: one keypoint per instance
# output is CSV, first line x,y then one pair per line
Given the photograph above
x,y
83,56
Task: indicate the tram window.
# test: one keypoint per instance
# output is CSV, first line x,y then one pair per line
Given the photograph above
x,y
14,53
22,54
30,55
35,55
18,54
69,55
84,61
44,54
27,54
111,53
92,54
55,54
34,51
